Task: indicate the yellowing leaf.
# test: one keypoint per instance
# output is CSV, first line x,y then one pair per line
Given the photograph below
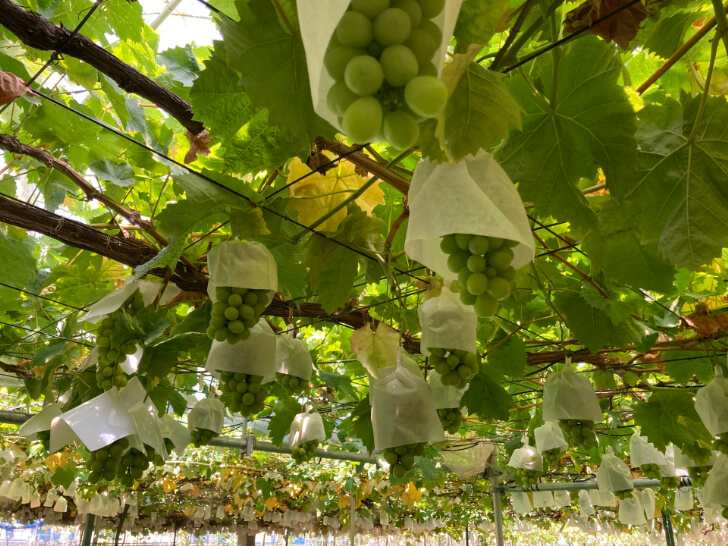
x,y
375,349
344,502
319,194
190,510
271,503
411,494
168,484
195,493
55,460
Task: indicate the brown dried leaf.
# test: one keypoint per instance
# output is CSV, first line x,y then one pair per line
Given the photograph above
x,y
11,87
620,28
198,145
706,324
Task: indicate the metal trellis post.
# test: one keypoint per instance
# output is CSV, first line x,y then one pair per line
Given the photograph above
x,y
88,530
495,490
667,527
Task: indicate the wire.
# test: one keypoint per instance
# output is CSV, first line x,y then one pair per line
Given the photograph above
x,y
42,297
46,334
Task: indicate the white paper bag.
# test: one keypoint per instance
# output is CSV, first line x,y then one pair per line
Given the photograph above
x,y
254,356
716,486
521,502
549,436
208,414
711,403
683,499
614,474
683,461
631,511
648,503
585,505
144,416
642,451
467,459
407,361
562,499
669,470
292,357
486,203
568,395
175,431
110,303
447,324
444,396
543,499
306,427
318,20
40,422
240,264
526,457
403,412
604,499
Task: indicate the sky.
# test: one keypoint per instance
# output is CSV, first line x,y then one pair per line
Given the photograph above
x,y
189,22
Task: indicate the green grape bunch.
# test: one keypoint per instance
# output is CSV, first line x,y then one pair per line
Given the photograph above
x,y
697,453
579,433
651,471
44,437
381,60
108,369
235,312
304,452
451,419
552,457
456,367
104,463
134,463
291,384
525,477
721,443
483,266
202,436
698,475
670,482
245,393
624,494
402,458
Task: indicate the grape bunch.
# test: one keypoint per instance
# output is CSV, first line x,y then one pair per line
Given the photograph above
x,y
697,453
456,367
525,477
402,458
721,443
483,265
44,437
698,475
552,457
246,394
651,471
235,312
669,482
579,433
291,384
108,370
450,418
202,436
624,494
385,82
304,452
105,462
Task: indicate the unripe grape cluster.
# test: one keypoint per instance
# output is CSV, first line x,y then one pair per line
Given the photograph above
x,y
651,471
670,482
552,457
483,265
697,453
579,433
385,82
235,312
402,458
526,477
698,475
201,436
105,462
456,367
108,369
304,452
291,384
450,418
246,395
721,443
624,494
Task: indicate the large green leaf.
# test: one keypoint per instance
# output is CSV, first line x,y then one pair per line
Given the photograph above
x,y
589,125
477,22
681,182
487,398
508,359
17,259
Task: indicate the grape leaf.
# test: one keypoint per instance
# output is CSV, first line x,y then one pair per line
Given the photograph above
x,y
669,416
285,411
477,22
681,182
682,366
18,262
590,125
486,398
64,475
340,383
666,36
120,174
508,359
361,418
274,71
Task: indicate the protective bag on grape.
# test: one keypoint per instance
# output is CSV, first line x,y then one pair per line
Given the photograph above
x,y
683,461
318,21
96,423
683,499
631,511
144,415
568,395
467,459
175,431
614,474
562,499
407,361
292,357
241,264
40,422
715,490
711,403
306,427
526,457
486,203
669,469
549,436
403,411
444,396
254,356
642,451
208,414
521,502
585,505
110,303
604,499
648,503
447,324
543,499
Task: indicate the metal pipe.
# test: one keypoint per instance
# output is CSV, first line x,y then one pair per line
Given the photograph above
x,y
14,417
88,529
495,490
166,12
575,486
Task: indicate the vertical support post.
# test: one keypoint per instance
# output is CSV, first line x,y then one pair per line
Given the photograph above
x,y
496,492
88,530
667,527
352,518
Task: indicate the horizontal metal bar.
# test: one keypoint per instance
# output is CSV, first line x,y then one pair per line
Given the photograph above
x,y
576,486
18,418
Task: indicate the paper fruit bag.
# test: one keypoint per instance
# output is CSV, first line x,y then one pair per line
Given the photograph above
x,y
110,303
254,356
526,457
306,427
292,357
447,324
240,264
568,395
642,451
467,459
40,422
208,414
716,486
631,511
614,474
176,432
548,437
711,403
